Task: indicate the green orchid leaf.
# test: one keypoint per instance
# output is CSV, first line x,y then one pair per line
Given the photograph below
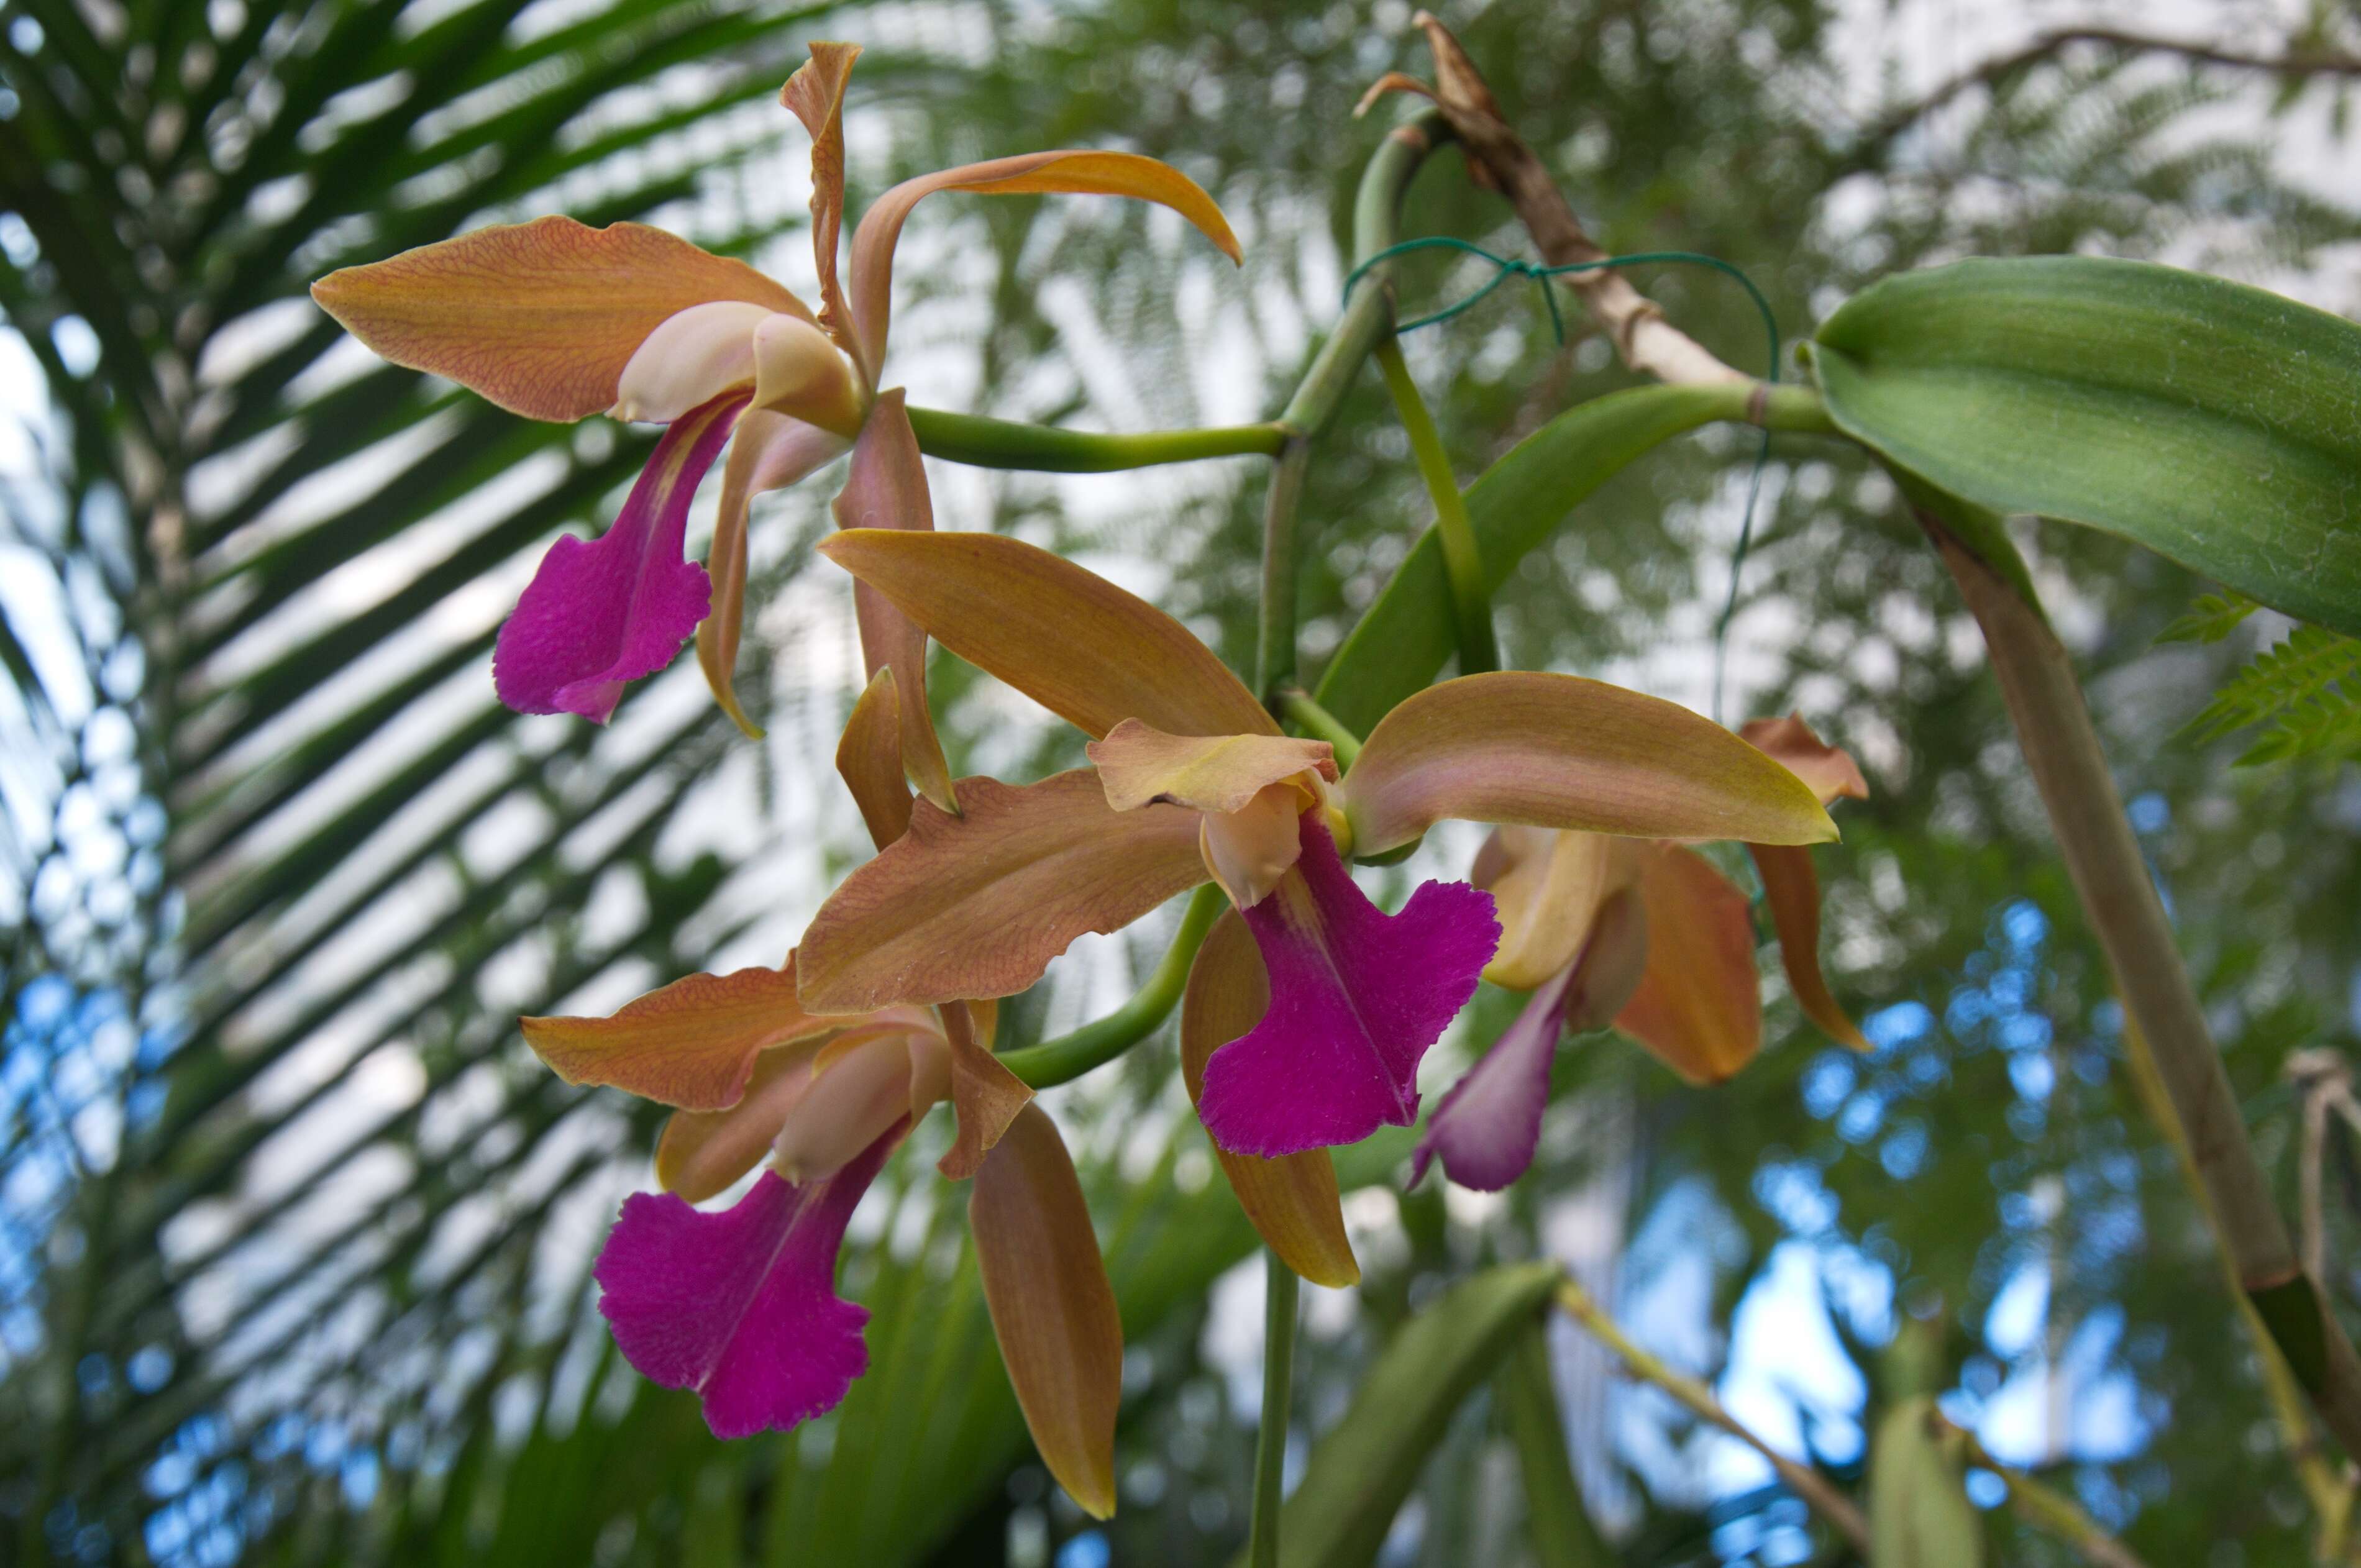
x,y
1362,1469
2214,424
1919,1515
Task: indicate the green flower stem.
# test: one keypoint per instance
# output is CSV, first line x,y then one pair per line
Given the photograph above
x,y
1296,703
1562,1532
1005,443
1479,650
1068,1057
1278,1386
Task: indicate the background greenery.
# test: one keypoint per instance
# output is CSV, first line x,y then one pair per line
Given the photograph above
x,y
293,1231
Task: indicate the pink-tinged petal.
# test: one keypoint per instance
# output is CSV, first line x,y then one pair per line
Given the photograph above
x,y
815,95
1792,888
692,1043
599,614
1138,764
702,1154
1357,997
886,489
863,1082
769,452
1487,1127
742,1305
1075,173
692,357
1830,771
541,317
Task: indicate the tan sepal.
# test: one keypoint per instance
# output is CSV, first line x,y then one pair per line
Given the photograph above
x,y
701,1153
815,95
986,1096
767,451
692,1043
1052,1310
1612,961
886,489
1829,770
869,760
1138,764
1067,637
1792,888
1699,1007
1551,750
1391,82
541,317
978,905
1292,1201
1548,889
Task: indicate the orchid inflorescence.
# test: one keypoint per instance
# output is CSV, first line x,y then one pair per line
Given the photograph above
x,y
1308,1009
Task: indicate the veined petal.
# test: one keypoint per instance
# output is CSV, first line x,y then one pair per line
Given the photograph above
x,y
702,1154
1067,637
1032,173
769,452
815,93
977,904
1052,1310
1549,750
541,317
742,1306
692,357
1699,1007
1487,1127
692,1043
869,760
798,371
984,1093
1792,888
1358,996
1292,1201
1547,887
886,490
599,614
1830,771
1138,764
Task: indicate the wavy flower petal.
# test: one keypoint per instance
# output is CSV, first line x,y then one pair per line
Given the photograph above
x,y
1138,764
815,95
693,1043
1358,996
742,1305
599,614
1487,1127
769,452
986,1096
1830,771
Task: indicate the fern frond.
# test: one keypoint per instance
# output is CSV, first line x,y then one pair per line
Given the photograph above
x,y
2305,690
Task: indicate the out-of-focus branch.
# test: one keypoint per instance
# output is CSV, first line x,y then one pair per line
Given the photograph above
x,y
2046,1509
1498,158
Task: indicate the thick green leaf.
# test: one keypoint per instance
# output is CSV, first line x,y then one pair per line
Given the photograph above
x,y
1366,1465
1919,1515
2217,425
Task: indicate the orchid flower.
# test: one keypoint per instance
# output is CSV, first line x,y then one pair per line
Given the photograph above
x,y
1647,937
557,321
1192,781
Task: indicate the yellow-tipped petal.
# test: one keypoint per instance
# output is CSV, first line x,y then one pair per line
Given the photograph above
x,y
702,1153
1052,1310
1249,849
886,490
1138,764
1292,1201
539,317
815,95
869,760
1830,771
1549,751
1067,637
1033,173
767,451
1792,888
977,904
693,1044
1699,1007
985,1094
1548,889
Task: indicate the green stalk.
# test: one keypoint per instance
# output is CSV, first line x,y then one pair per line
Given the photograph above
x,y
1479,650
1296,703
1068,1056
1278,1386
1005,443
1563,1532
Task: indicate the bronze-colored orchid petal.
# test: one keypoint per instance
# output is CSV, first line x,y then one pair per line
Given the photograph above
x,y
691,1043
799,372
1546,890
1699,1007
1549,751
1052,1310
978,905
702,1153
1249,849
1828,769
886,490
1033,173
1065,637
1292,1199
1792,888
869,760
1611,965
863,1082
539,317
815,93
768,452
1138,764
984,1093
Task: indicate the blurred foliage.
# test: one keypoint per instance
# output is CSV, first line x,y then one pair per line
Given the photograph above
x,y
292,1230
